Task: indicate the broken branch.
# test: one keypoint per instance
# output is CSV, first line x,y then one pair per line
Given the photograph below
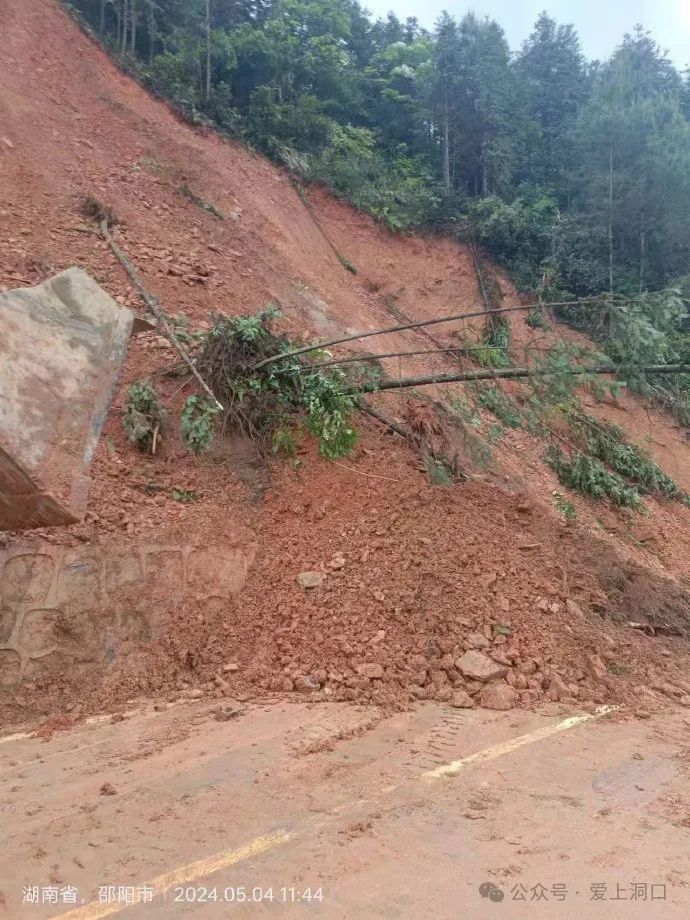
x,y
155,308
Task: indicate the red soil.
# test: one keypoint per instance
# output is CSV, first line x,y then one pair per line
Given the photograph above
x,y
423,566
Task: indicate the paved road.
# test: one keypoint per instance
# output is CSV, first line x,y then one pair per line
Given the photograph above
x,y
331,811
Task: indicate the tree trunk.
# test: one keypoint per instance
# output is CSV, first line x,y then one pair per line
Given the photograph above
x,y
643,248
446,144
133,17
611,219
208,50
152,31
515,373
125,24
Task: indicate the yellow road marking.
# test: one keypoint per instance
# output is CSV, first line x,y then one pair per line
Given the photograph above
x,y
182,875
498,750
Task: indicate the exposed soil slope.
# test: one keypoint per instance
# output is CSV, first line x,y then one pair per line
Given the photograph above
x,y
412,571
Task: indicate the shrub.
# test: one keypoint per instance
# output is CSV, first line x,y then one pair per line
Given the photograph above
x,y
143,415
588,475
196,423
607,443
518,234
265,403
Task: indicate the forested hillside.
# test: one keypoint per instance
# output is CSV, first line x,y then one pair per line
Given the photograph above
x,y
575,173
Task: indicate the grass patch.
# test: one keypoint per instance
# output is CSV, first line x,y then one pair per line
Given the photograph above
x,y
535,319
439,471
185,496
345,262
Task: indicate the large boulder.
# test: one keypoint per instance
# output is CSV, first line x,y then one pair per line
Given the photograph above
x,y
61,348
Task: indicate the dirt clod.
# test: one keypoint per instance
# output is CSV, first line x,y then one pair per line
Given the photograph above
x,y
498,696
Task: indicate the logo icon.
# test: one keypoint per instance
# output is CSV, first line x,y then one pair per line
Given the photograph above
x,y
491,891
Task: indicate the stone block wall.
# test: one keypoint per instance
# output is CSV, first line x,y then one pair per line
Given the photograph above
x,y
64,605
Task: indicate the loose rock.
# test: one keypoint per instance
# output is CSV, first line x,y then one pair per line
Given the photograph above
x,y
372,671
305,683
461,700
477,640
478,666
310,579
498,696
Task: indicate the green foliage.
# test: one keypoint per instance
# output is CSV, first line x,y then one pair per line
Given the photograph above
x,y
607,443
588,475
180,326
535,319
496,337
395,189
555,385
266,403
494,433
438,471
367,373
490,356
465,411
576,176
566,507
328,412
518,234
196,423
646,329
283,442
347,265
184,496
491,397
142,414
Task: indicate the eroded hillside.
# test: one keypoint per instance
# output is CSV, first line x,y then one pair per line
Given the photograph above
x,y
204,597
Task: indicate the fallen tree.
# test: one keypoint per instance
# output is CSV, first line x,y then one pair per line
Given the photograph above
x,y
418,324
513,373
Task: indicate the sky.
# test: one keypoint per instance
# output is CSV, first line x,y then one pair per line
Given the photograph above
x,y
600,23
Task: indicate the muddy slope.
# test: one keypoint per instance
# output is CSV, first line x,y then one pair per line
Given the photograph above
x,y
413,575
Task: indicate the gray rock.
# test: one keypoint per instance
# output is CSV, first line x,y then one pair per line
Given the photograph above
x,y
310,579
305,683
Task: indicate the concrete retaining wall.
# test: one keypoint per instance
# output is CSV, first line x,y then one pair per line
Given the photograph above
x,y
62,606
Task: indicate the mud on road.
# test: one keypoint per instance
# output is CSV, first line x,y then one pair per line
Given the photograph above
x,y
337,811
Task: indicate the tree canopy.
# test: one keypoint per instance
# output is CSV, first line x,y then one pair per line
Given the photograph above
x,y
576,174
